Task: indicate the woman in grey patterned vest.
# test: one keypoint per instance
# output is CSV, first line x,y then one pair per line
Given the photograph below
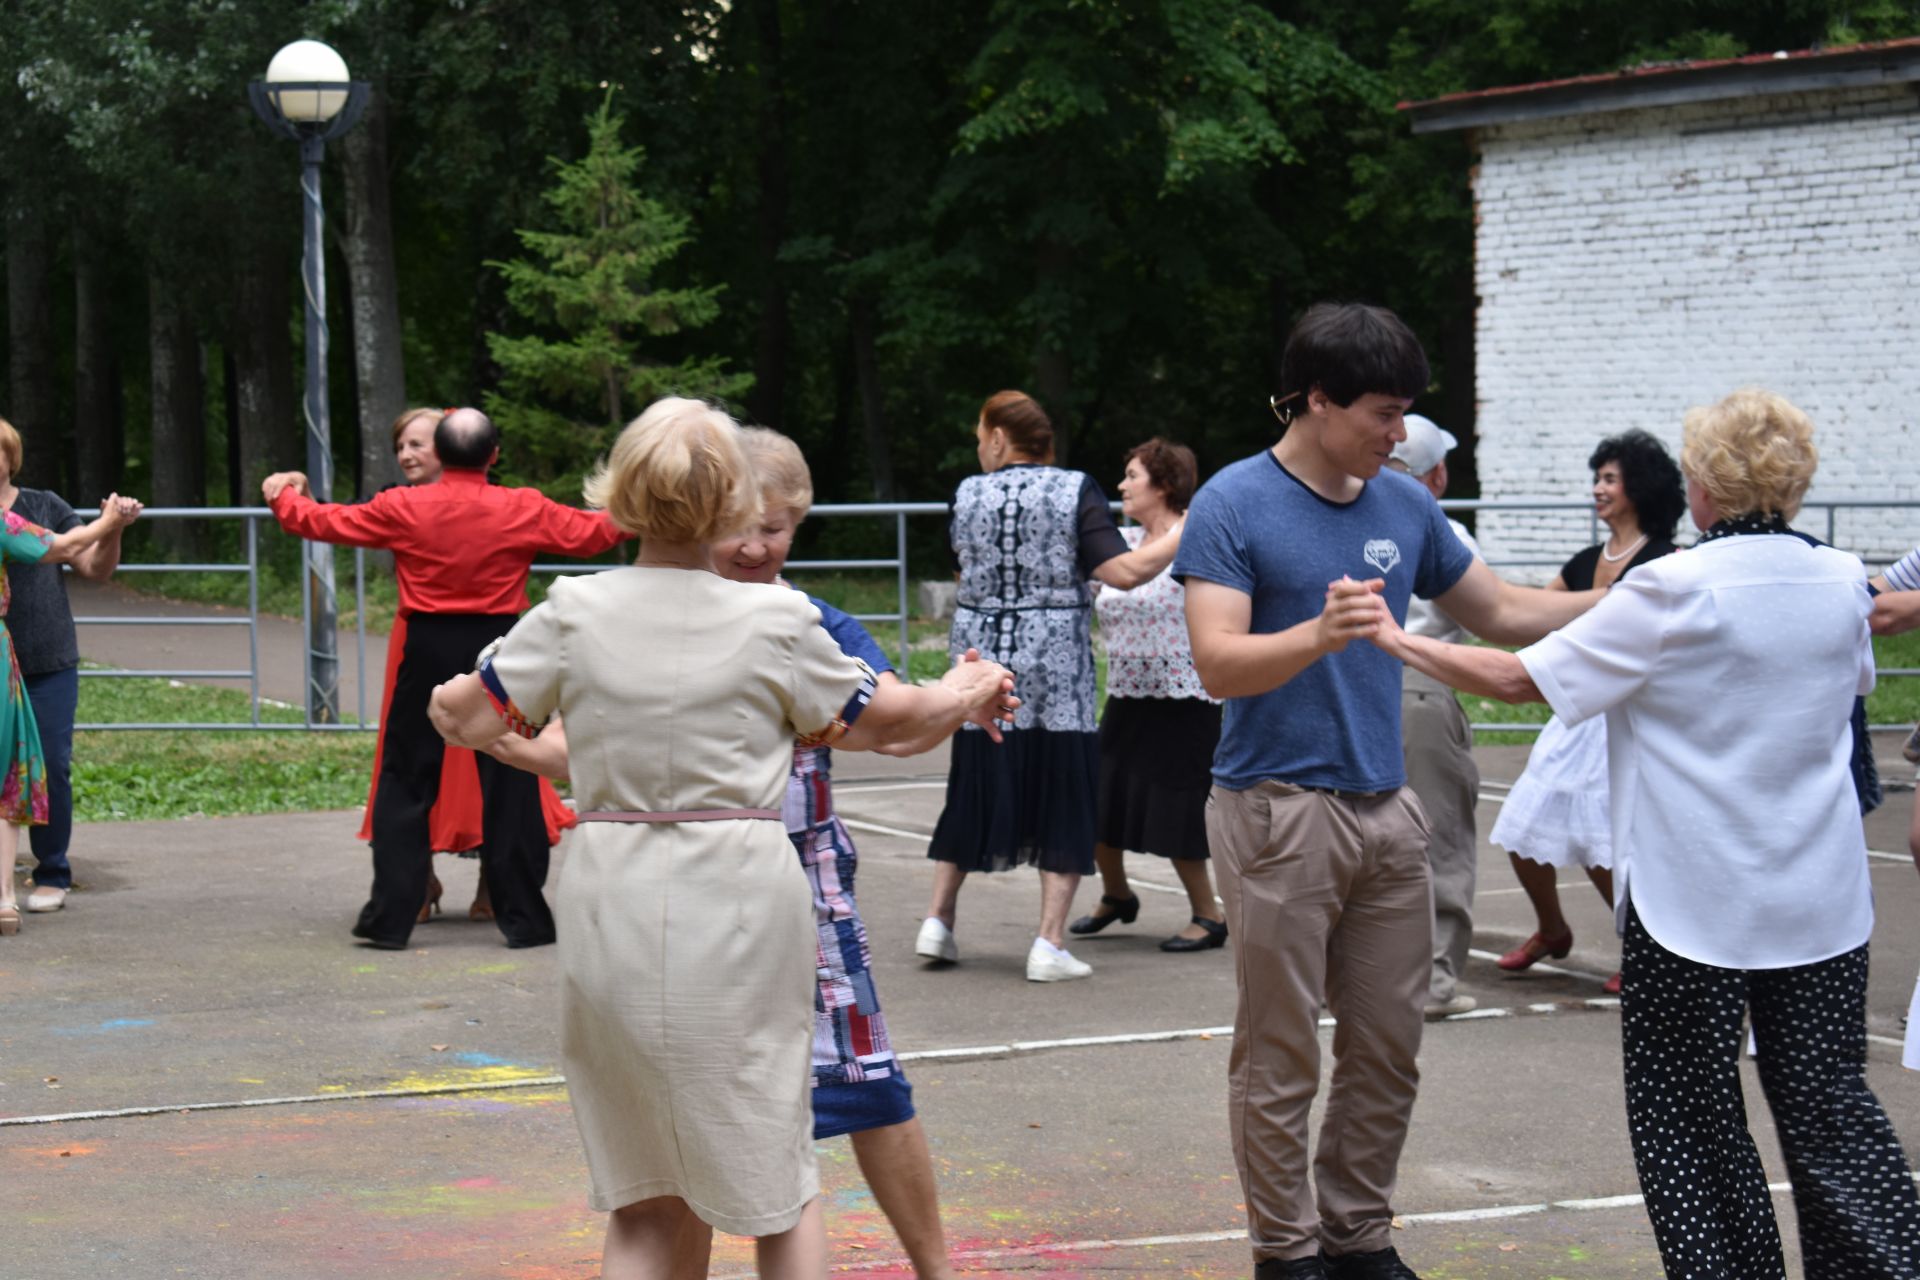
x,y
1028,536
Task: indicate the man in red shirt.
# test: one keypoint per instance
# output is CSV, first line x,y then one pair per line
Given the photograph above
x,y
461,550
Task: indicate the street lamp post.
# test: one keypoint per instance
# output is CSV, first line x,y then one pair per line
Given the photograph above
x,y
307,97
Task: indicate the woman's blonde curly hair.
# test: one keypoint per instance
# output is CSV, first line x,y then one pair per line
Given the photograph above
x,y
678,473
1753,454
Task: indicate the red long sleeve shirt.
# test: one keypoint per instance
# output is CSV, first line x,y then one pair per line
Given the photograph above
x,y
460,545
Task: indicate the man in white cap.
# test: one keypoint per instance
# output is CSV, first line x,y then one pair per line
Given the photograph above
x,y
1437,744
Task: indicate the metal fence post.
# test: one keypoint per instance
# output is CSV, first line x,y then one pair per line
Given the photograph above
x,y
900,551
253,615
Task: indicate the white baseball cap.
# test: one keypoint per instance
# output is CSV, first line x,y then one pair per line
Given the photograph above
x,y
1426,446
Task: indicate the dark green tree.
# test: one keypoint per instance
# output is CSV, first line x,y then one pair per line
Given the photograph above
x,y
604,323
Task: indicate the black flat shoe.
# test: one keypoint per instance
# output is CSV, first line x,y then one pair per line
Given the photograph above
x,y
1216,937
1126,910
1381,1264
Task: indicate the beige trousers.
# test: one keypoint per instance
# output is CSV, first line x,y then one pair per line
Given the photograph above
x,y
1438,745
1327,897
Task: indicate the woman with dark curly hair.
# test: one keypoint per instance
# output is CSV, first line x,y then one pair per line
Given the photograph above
x,y
1556,815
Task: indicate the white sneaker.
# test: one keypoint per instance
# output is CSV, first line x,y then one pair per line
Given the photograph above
x,y
1440,1010
46,898
1048,963
936,941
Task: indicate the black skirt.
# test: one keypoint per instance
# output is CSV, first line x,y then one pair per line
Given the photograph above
x,y
1156,768
1027,801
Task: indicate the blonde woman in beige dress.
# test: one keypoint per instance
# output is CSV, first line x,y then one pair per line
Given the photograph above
x,y
686,924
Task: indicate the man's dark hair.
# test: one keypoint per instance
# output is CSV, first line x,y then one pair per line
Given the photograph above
x,y
466,438
1348,350
1651,478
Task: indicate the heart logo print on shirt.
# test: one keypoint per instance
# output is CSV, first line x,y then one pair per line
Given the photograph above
x,y
1382,554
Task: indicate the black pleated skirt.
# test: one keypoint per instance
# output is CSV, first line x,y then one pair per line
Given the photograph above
x,y
1027,801
1156,768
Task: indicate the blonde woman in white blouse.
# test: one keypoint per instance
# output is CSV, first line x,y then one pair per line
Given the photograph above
x,y
1159,728
1727,674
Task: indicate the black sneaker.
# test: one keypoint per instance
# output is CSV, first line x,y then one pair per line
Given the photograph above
x,y
1383,1264
1307,1268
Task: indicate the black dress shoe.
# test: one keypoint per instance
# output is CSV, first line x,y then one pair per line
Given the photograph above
x,y
1216,936
386,944
1382,1264
1126,910
1307,1268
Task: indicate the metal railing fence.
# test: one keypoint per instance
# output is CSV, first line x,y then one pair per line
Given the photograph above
x,y
895,566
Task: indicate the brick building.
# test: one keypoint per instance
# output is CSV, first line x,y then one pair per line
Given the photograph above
x,y
1650,240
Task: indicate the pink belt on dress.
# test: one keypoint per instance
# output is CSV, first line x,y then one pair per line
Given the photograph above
x,y
679,815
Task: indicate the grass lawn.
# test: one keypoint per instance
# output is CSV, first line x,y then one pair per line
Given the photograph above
x,y
140,774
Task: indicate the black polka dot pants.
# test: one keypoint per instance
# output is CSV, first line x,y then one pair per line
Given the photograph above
x,y
1706,1192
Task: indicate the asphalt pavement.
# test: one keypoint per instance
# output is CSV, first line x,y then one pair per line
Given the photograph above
x,y
201,1074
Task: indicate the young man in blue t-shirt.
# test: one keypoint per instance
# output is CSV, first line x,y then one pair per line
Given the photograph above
x,y
1288,558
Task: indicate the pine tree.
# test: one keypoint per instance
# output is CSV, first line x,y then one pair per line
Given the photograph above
x,y
588,290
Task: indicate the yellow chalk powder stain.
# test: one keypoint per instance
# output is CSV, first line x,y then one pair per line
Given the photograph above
x,y
470,1077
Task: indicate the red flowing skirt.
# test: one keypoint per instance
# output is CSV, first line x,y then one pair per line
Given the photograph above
x,y
454,825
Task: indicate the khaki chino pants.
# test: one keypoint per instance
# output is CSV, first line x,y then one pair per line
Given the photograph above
x,y
1437,744
1326,896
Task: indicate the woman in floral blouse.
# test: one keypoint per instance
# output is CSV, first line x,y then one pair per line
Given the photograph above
x,y
1159,728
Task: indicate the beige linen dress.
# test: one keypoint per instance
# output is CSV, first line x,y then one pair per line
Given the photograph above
x,y
686,949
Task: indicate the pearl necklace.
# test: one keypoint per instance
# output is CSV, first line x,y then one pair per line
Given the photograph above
x,y
1612,558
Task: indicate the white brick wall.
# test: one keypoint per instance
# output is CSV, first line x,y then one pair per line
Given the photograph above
x,y
1634,263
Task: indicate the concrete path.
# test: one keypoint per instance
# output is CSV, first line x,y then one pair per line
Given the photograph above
x,y
201,1075
375,1114
282,642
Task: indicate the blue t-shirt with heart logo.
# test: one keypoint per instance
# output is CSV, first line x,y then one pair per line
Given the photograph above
x,y
1257,528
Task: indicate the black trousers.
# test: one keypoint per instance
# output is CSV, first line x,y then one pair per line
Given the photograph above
x,y
513,842
1706,1191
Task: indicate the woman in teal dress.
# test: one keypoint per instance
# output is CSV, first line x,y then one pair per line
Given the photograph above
x,y
23,787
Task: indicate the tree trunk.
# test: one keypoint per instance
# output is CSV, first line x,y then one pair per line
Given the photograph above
x,y
1052,364
266,414
768,399
864,321
1279,325
31,405
179,424
96,448
374,285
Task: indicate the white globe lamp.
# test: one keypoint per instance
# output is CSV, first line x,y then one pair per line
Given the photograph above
x,y
308,69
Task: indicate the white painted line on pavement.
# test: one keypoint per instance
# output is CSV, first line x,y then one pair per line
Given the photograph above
x,y
1222,1237
957,1053
238,1104
861,824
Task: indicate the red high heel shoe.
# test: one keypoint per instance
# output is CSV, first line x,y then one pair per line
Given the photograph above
x,y
1536,949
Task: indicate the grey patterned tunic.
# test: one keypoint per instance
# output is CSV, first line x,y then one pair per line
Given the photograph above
x,y
1024,601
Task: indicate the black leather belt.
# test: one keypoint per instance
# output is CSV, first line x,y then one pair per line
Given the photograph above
x,y
1338,794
